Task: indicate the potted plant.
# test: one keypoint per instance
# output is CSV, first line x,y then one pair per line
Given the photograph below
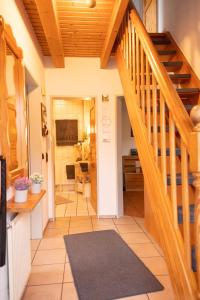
x,y
37,180
21,186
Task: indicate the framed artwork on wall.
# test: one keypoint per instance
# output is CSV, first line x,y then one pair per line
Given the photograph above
x,y
44,120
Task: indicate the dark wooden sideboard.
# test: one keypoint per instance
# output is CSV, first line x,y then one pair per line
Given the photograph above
x,y
132,174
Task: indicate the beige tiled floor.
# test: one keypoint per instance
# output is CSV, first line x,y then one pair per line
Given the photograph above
x,y
77,206
51,277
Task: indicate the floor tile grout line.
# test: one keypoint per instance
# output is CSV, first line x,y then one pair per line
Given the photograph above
x,y
50,264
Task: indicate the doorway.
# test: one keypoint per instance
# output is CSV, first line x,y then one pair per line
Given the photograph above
x,y
74,152
130,176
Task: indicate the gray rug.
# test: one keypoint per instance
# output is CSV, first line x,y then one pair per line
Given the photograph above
x,y
105,268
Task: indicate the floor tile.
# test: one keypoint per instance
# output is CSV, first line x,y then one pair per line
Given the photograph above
x,y
82,229
104,227
97,222
126,228
59,223
80,223
135,238
43,292
68,273
167,293
139,297
79,218
45,257
51,233
52,243
139,221
144,250
82,213
158,249
156,265
46,274
124,220
34,244
70,213
69,292
33,254
67,258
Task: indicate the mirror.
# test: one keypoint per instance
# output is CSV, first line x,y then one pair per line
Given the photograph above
x,y
13,143
12,113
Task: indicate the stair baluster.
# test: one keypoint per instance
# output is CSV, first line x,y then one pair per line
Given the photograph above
x,y
162,126
195,168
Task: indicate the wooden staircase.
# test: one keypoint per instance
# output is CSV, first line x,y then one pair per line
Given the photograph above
x,y
161,92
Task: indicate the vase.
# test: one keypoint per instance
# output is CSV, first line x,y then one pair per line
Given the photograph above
x,y
21,196
36,188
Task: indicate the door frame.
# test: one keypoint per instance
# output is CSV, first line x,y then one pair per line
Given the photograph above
x,y
52,146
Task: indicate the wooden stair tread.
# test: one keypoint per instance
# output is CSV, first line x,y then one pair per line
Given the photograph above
x,y
179,179
188,90
177,64
157,34
178,151
166,52
178,78
180,214
160,40
188,93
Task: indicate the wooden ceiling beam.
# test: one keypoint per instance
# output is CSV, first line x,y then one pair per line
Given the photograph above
x,y
48,17
115,22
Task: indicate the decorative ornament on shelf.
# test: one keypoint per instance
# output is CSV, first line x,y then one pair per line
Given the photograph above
x,y
37,180
21,186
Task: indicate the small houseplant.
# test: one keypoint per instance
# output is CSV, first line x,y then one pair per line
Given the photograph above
x,y
37,180
21,186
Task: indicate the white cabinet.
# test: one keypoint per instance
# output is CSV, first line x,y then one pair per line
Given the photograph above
x,y
19,255
39,218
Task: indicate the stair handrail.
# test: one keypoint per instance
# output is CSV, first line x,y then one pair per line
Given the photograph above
x,y
182,119
189,133
144,78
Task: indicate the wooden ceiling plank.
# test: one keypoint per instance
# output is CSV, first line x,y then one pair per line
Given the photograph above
x,y
115,22
48,17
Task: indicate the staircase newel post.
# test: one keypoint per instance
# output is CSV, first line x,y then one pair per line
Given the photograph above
x,y
195,169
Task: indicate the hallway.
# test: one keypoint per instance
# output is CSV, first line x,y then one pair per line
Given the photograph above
x,y
76,205
51,277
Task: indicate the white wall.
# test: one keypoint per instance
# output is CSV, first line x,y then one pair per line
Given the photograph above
x,y
127,141
14,14
83,77
182,19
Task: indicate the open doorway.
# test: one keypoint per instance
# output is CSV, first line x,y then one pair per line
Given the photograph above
x,y
74,134
131,189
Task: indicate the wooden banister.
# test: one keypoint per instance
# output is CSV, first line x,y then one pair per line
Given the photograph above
x,y
161,124
183,121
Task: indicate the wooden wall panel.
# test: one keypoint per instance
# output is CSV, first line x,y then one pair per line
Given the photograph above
x,y
83,30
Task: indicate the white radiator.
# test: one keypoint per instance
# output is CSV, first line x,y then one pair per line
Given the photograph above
x,y
19,255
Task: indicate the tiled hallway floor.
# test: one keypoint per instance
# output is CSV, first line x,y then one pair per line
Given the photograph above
x,y
77,205
51,277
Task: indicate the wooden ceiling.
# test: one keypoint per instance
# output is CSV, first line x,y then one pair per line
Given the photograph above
x,y
83,30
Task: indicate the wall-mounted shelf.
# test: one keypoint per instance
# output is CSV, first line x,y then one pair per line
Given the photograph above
x,y
28,206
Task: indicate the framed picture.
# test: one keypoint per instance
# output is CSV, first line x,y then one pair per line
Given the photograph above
x,y
44,120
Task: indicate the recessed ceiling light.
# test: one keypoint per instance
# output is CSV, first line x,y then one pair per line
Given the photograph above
x,y
91,3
